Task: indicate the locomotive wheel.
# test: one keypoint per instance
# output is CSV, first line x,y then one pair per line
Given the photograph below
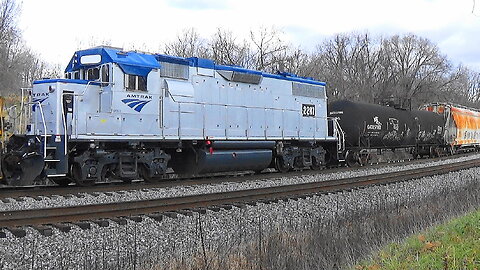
x,y
147,178
280,165
78,177
316,165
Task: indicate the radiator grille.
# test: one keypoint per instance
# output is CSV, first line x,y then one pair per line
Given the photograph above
x,y
171,70
308,90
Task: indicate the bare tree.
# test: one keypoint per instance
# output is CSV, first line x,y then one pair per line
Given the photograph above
x,y
418,66
268,49
226,50
187,44
19,66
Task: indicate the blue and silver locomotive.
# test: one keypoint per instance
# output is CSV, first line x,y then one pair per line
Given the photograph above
x,y
121,115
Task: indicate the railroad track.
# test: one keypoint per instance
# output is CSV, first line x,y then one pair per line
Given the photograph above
x,y
158,208
8,194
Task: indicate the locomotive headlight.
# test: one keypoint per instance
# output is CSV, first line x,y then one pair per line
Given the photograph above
x,y
51,89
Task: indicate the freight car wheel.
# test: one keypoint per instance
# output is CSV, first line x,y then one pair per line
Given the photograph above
x,y
351,159
281,165
451,150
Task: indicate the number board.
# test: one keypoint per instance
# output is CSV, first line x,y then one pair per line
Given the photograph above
x,y
308,110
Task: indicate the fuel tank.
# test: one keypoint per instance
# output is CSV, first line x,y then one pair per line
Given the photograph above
x,y
224,156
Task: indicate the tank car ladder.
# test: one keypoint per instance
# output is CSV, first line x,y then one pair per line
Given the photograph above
x,y
340,135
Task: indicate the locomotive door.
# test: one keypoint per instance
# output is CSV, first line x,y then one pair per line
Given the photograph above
x,y
105,103
68,111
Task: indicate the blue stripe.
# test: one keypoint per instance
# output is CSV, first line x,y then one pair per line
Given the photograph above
x,y
134,103
140,107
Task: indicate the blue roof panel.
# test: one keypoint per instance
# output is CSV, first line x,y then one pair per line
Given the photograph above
x,y
141,64
131,62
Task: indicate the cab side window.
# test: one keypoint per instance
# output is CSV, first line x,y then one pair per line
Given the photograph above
x,y
134,82
93,74
106,73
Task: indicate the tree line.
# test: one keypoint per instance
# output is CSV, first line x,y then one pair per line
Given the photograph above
x,y
408,70
404,69
19,65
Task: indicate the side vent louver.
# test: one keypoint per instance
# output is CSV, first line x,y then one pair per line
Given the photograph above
x,y
308,90
172,70
235,76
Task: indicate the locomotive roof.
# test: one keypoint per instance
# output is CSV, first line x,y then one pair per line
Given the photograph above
x,y
140,63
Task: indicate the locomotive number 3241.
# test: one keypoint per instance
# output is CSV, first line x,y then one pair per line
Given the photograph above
x,y
308,110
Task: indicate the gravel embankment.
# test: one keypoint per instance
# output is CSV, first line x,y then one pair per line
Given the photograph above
x,y
59,201
321,232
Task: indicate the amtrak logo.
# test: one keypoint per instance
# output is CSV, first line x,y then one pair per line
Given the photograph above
x,y
135,103
36,102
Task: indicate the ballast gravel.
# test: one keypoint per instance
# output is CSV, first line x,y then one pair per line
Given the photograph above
x,y
188,242
156,193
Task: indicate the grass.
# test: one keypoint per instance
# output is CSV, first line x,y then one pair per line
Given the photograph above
x,y
454,245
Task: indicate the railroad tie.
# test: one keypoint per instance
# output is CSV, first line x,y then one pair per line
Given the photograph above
x,y
101,222
61,227
185,212
84,225
170,214
17,231
226,206
158,217
135,218
43,230
200,210
214,208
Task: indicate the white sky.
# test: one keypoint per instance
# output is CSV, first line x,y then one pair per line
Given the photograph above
x,y
56,28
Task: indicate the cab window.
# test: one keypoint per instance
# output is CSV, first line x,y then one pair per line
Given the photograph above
x,y
134,82
93,74
105,73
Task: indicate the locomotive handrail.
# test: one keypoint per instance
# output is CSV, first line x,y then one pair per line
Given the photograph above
x,y
64,120
44,130
22,112
88,84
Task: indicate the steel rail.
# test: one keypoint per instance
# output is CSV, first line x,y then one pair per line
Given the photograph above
x,y
132,208
14,193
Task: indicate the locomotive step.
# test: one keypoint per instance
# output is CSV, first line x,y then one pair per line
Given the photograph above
x,y
57,175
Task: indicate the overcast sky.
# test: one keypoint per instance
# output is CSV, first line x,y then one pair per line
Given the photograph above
x,y
56,28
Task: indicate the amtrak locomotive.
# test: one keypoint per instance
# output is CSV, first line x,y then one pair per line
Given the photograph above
x,y
121,115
